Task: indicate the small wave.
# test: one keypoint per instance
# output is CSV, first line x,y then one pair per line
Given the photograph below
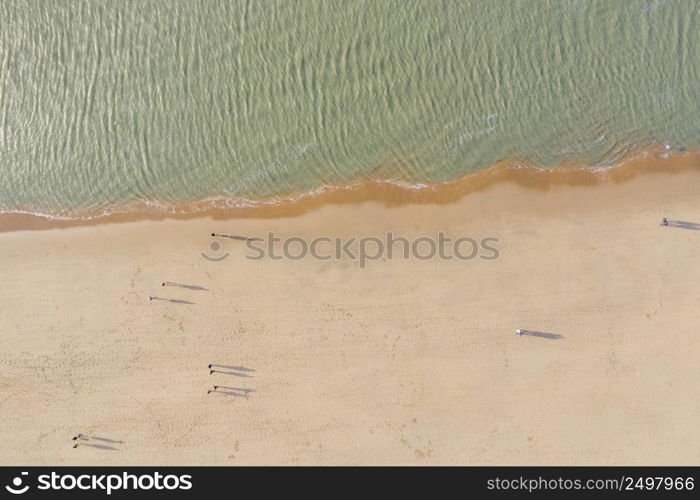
x,y
665,152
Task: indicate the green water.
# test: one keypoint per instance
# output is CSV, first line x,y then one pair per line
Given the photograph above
x,y
102,103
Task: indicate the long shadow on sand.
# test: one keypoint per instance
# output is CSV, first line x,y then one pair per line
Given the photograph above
x,y
189,287
237,237
98,446
238,368
233,374
542,335
239,395
106,440
232,391
174,301
681,224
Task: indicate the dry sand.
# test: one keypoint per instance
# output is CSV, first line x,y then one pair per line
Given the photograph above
x,y
404,362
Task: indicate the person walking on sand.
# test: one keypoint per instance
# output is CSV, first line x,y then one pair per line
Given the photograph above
x,y
519,332
150,298
213,390
664,222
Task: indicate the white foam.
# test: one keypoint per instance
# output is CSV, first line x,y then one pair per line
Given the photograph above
x,y
224,202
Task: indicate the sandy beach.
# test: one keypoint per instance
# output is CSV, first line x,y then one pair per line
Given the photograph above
x,y
403,362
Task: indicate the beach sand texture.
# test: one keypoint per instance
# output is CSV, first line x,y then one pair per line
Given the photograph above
x,y
404,362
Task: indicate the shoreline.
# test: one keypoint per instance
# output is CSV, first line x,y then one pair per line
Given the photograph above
x,y
656,160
